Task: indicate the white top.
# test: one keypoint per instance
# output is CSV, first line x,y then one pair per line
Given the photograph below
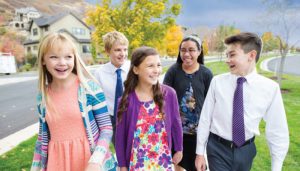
x,y
107,77
262,99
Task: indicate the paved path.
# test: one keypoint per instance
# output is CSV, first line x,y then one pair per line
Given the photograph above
x,y
291,66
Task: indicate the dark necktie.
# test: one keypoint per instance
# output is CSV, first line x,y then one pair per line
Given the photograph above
x,y
119,91
238,128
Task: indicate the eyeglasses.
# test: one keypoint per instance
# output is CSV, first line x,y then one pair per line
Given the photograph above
x,y
190,51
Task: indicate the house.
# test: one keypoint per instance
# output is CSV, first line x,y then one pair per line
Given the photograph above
x,y
62,22
23,16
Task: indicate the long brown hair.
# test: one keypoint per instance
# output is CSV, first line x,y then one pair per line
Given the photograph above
x,y
138,56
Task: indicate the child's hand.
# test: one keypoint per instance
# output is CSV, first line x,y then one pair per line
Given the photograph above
x,y
93,167
200,163
177,157
123,169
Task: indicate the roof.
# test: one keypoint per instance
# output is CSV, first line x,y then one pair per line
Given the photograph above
x,y
48,20
26,10
75,38
30,42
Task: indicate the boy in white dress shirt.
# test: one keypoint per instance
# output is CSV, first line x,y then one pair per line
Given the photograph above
x,y
116,47
234,106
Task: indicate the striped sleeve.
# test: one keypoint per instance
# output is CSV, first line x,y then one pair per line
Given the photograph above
x,y
103,122
37,156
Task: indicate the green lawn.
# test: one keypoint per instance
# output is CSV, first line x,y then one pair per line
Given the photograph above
x,y
20,158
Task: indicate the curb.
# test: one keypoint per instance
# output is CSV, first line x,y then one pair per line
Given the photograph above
x,y
11,141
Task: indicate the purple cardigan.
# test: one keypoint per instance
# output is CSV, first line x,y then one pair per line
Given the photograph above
x,y
126,127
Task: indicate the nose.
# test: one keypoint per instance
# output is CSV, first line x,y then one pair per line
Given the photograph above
x,y
62,61
124,52
227,60
157,69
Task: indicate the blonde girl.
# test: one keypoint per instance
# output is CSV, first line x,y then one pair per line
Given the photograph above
x,y
75,129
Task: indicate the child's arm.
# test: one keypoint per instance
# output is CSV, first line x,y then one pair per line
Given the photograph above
x,y
100,113
37,156
277,133
208,77
169,76
206,119
121,144
177,134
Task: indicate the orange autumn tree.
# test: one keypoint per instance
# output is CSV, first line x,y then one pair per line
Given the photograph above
x,y
173,38
205,47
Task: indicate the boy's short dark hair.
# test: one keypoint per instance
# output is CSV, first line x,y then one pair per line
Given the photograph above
x,y
249,41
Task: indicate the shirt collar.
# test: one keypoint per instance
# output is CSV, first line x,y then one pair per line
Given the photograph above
x,y
123,67
249,77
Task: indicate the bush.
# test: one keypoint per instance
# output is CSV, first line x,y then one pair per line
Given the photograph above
x,y
26,67
31,59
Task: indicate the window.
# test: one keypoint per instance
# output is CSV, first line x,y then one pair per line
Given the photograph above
x,y
85,49
28,49
34,31
78,31
34,47
46,28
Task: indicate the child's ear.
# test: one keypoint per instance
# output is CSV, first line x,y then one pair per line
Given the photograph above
x,y
135,70
107,51
252,56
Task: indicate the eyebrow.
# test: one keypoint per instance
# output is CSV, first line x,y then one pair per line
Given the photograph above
x,y
230,52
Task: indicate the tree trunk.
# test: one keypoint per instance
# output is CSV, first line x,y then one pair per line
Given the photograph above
x,y
281,66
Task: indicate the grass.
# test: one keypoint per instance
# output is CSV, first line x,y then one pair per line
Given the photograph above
x,y
20,158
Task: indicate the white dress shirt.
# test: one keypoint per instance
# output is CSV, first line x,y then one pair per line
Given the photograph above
x,y
107,77
262,99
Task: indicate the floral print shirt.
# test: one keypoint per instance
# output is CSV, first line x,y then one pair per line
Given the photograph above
x,y
150,149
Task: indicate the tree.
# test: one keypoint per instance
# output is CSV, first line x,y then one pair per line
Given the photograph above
x,y
173,38
205,47
217,38
11,42
270,42
144,22
283,19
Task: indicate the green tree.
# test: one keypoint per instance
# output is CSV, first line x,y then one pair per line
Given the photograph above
x,y
270,42
220,34
144,22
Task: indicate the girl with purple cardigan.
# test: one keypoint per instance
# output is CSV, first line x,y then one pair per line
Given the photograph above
x,y
148,118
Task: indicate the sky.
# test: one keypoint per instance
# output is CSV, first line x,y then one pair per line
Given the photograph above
x,y
250,15
212,13
246,15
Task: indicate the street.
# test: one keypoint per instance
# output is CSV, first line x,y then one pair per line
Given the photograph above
x,y
291,66
18,102
17,106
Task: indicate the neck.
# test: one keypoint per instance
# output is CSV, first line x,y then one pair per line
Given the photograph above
x,y
144,92
117,66
189,69
250,70
63,84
